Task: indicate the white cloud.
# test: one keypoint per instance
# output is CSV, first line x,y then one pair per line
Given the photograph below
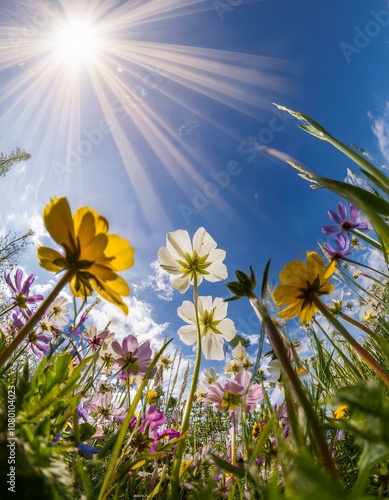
x,y
159,281
380,128
139,321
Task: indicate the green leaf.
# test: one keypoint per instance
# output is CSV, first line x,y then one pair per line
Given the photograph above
x,y
314,128
369,420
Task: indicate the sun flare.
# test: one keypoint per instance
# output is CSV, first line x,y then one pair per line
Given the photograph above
x,y
76,41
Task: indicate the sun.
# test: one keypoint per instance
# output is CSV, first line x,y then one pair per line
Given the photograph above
x,y
76,42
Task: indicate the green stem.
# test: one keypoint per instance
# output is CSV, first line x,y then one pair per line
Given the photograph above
x,y
351,261
369,360
280,351
367,239
359,325
175,476
7,353
8,309
233,440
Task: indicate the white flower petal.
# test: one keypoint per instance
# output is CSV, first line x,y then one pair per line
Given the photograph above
x,y
187,312
227,328
204,304
168,262
180,283
220,309
179,242
212,347
203,243
188,334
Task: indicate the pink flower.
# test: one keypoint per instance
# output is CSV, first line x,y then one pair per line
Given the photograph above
x,y
102,405
235,395
132,358
93,337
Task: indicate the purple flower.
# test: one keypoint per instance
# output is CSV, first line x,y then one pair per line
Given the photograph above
x,y
21,290
87,449
149,433
342,247
132,358
38,343
345,223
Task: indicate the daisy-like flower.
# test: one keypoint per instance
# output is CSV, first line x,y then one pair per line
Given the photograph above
x,y
89,250
93,337
184,260
342,248
344,222
340,411
102,405
130,357
38,342
210,376
300,282
235,395
240,360
214,326
21,290
58,311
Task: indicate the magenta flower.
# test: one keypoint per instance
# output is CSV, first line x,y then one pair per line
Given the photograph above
x,y
93,337
149,432
342,248
132,358
21,290
344,222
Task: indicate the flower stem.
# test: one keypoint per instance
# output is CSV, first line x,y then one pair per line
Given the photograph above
x,y
8,309
7,353
280,351
233,438
175,476
369,360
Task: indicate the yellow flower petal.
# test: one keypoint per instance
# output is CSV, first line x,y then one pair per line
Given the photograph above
x,y
90,252
307,313
294,274
47,256
284,294
121,250
59,222
292,310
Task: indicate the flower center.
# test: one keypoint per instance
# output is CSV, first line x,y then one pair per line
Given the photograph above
x,y
194,264
231,400
346,225
311,290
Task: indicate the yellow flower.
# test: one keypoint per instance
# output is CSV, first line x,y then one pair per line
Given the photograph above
x,y
151,396
299,283
89,250
340,411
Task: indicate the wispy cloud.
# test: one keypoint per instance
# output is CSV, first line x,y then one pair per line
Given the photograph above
x,y
159,282
380,128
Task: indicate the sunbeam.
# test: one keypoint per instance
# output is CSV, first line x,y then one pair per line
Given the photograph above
x,y
69,60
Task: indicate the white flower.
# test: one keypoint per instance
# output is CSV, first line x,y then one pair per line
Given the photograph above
x,y
57,312
240,360
214,326
210,375
184,259
239,352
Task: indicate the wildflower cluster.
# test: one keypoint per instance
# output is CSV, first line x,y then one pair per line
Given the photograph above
x,y
301,410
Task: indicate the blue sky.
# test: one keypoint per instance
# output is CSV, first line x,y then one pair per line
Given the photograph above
x,y
160,127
